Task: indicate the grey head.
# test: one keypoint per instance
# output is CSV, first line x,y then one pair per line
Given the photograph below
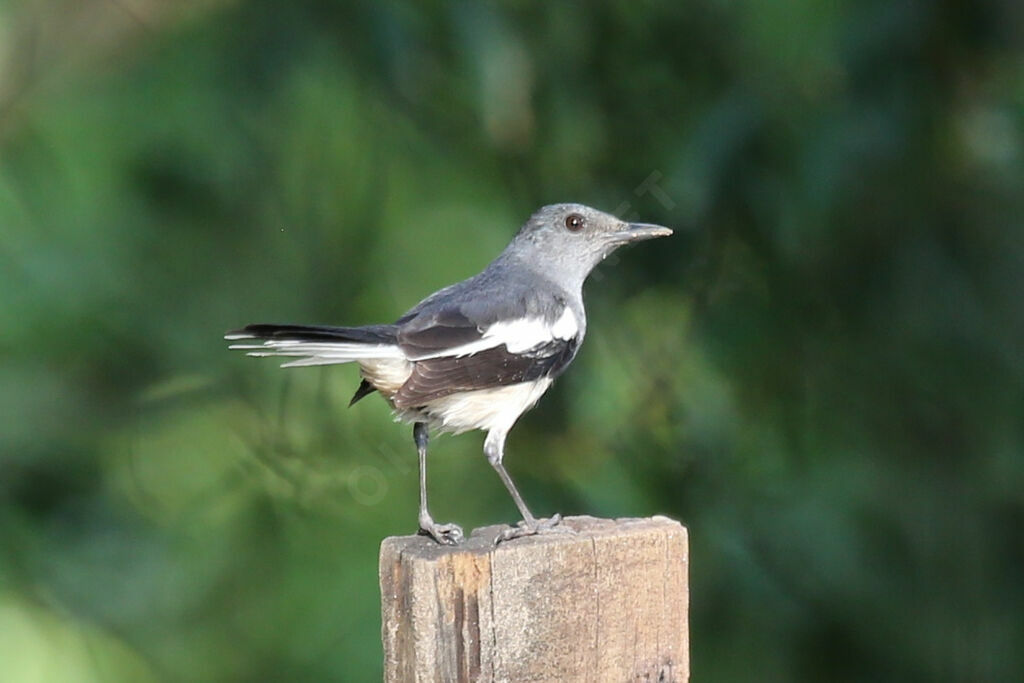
x,y
564,242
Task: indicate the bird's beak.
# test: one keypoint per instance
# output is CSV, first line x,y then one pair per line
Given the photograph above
x,y
635,232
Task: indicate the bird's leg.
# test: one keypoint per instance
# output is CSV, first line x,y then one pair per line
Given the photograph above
x,y
494,448
445,534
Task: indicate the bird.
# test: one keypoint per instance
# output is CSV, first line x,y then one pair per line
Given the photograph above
x,y
477,354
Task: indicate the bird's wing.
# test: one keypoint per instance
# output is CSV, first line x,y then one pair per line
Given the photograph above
x,y
433,378
454,350
454,332
437,332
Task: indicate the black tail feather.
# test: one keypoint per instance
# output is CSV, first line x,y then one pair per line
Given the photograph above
x,y
364,390
369,334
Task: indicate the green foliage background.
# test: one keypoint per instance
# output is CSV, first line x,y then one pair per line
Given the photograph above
x,y
820,374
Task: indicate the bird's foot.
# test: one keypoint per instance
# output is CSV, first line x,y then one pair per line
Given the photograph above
x,y
444,534
551,525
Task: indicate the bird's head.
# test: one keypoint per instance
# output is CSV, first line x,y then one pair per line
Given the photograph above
x,y
569,240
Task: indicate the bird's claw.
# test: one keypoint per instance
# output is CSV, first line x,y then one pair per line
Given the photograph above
x,y
444,534
551,525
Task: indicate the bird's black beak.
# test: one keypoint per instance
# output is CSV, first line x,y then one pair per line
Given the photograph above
x,y
635,232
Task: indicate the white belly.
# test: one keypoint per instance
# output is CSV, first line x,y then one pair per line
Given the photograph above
x,y
486,409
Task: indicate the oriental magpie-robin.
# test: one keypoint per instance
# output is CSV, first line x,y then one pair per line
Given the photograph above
x,y
479,353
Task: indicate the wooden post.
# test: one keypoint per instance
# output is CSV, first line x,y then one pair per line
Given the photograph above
x,y
606,603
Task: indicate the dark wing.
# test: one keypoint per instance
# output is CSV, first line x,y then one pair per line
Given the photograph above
x,y
435,378
437,331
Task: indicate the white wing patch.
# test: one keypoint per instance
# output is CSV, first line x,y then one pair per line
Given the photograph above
x,y
517,335
566,327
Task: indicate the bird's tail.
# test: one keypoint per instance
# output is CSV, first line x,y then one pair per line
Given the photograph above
x,y
319,345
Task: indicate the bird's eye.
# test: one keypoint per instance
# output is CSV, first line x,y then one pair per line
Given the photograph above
x,y
574,222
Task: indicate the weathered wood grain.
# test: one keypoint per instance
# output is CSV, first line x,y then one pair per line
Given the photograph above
x,y
606,603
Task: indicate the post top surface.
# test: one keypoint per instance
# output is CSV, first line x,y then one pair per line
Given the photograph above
x,y
578,529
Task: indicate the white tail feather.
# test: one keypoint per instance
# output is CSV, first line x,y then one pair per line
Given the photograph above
x,y
311,361
321,353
